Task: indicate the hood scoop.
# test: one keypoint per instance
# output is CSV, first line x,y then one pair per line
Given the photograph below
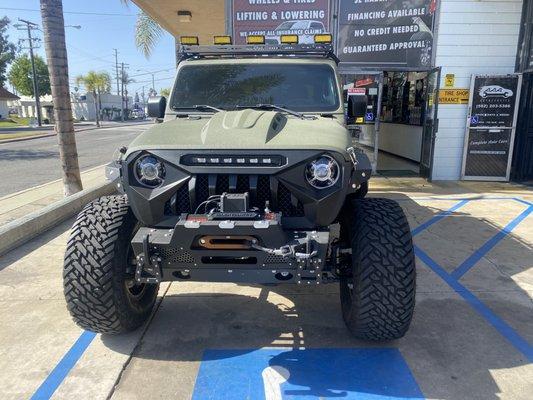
x,y
245,122
242,119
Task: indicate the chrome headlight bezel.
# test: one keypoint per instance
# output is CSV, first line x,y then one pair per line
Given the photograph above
x,y
149,171
323,172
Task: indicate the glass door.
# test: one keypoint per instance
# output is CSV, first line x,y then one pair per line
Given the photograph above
x,y
430,123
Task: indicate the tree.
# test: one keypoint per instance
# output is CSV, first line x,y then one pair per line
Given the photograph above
x,y
21,77
147,32
165,92
7,50
56,53
96,83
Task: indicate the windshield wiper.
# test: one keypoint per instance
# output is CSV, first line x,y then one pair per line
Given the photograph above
x,y
200,107
275,107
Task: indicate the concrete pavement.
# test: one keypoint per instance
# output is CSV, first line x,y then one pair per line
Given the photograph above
x,y
30,163
470,339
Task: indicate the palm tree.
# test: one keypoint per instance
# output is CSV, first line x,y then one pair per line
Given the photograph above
x,y
147,32
95,83
56,54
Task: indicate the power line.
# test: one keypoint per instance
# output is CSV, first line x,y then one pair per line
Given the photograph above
x,y
71,12
152,72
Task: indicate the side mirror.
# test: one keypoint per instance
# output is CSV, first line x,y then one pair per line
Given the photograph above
x,y
157,106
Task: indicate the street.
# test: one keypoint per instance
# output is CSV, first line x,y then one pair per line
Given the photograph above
x,y
29,163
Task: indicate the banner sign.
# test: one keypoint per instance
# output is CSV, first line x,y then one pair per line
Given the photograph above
x,y
356,91
273,18
490,129
494,101
386,34
454,96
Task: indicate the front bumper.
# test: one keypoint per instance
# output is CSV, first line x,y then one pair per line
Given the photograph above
x,y
178,253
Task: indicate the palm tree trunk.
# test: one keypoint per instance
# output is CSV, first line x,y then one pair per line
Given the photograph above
x,y
56,55
96,109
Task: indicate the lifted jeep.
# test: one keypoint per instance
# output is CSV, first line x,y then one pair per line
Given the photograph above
x,y
251,178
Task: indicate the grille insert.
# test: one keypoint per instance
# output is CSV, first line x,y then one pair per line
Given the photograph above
x,y
175,256
259,187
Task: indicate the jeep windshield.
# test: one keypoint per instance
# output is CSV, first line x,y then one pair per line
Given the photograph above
x,y
298,87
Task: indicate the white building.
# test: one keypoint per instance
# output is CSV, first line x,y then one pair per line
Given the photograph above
x,y
83,108
473,37
25,107
5,97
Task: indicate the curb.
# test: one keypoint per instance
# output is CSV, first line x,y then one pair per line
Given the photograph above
x,y
26,228
90,128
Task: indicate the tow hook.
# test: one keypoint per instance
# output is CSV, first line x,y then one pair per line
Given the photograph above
x,y
148,268
353,156
286,251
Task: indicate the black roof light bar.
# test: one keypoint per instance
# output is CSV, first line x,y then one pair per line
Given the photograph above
x,y
316,50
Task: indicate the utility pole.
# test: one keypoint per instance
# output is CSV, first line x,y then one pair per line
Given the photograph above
x,y
122,90
29,27
119,79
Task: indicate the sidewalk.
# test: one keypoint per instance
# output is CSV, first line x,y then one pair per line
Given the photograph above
x,y
16,205
25,132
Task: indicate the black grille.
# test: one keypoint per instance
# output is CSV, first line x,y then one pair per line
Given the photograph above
x,y
259,187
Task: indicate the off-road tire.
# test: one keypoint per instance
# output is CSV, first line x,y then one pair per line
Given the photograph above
x,y
378,294
94,275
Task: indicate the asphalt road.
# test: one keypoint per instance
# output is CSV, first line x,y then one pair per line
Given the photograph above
x,y
29,163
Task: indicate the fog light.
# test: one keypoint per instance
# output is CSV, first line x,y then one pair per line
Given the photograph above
x,y
323,172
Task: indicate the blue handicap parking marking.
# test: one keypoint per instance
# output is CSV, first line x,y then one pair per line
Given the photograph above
x,y
276,374
369,116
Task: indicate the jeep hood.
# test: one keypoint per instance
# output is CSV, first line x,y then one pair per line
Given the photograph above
x,y
245,129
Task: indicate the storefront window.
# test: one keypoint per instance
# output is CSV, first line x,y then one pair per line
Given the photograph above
x,y
403,98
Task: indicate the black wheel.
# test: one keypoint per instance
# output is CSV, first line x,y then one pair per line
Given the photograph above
x,y
99,267
378,294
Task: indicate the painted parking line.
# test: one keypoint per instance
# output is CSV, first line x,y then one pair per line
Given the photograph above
x,y
501,326
276,374
528,203
58,374
490,244
437,218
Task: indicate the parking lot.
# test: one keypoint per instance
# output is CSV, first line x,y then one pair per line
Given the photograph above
x,y
471,337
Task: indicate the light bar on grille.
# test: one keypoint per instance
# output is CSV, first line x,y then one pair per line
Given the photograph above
x,y
232,160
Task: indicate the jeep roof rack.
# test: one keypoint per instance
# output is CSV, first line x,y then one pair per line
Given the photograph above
x,y
317,50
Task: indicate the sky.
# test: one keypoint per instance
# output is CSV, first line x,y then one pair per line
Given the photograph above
x,y
105,25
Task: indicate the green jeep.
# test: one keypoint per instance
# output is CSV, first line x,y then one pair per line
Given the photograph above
x,y
250,178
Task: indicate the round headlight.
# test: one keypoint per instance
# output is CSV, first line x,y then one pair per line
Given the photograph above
x,y
149,171
323,172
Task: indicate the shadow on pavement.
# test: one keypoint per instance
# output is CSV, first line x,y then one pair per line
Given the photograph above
x,y
12,155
